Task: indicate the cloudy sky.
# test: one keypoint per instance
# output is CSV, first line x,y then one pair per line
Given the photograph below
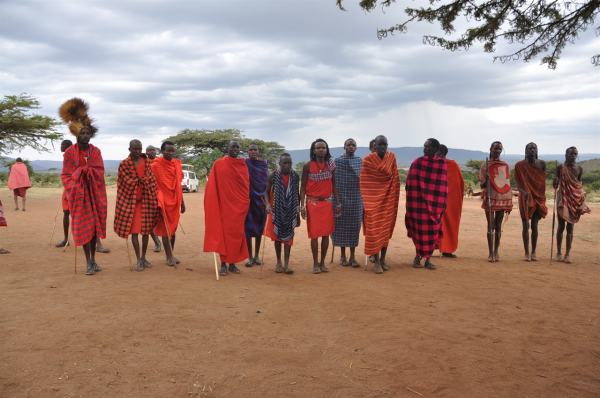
x,y
290,71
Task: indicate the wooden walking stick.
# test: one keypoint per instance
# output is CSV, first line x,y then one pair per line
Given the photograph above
x,y
332,251
129,255
54,227
491,227
554,214
216,268
366,262
68,240
262,256
75,260
181,226
169,238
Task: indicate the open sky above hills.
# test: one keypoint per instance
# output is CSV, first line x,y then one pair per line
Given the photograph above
x,y
290,71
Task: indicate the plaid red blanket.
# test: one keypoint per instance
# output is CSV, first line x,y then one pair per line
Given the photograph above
x,y
127,188
426,199
86,194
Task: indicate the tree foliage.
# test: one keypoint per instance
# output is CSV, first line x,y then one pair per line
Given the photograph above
x,y
474,165
540,26
19,129
194,144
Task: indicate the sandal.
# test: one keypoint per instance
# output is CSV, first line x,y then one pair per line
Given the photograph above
x,y
158,248
568,260
372,259
417,262
279,269
384,266
527,258
534,257
490,258
234,269
61,244
449,255
430,265
559,258
497,258
250,262
344,262
176,260
288,271
4,251
223,271
139,266
103,250
96,267
316,269
16,208
257,261
354,263
323,268
146,263
377,269
170,262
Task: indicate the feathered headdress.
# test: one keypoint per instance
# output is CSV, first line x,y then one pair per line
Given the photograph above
x,y
74,113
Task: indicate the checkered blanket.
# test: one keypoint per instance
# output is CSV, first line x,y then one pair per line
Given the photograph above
x,y
426,200
347,180
86,194
127,188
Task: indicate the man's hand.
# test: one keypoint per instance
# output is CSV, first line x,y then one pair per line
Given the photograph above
x,y
303,213
182,207
338,211
268,209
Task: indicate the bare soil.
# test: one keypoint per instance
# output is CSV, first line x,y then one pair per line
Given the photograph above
x,y
468,329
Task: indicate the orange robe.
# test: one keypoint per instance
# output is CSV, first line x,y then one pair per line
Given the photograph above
x,y
380,190
226,202
451,217
169,194
532,179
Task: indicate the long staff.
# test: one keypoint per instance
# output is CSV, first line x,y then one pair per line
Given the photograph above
x,y
68,239
129,255
264,236
169,238
54,227
554,214
181,226
526,187
75,260
491,228
216,268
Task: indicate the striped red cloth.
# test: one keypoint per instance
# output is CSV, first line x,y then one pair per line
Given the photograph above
x,y
226,202
86,193
169,194
380,190
129,183
532,179
570,198
426,200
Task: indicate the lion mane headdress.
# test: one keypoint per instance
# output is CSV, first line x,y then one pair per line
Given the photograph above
x,y
74,112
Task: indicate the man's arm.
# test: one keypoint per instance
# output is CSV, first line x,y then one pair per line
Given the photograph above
x,y
338,207
267,196
305,171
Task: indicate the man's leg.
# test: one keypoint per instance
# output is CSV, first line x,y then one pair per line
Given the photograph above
x,y
498,232
65,229
382,262
559,236
534,235
287,249
324,247
256,257
314,247
490,237
16,201
135,240
93,252
168,253
377,267
343,259
24,202
145,263
156,241
279,266
428,264
250,262
100,248
525,237
570,228
90,250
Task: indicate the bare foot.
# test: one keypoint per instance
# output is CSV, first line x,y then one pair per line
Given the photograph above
x,y
559,258
497,258
491,258
533,257
527,258
568,260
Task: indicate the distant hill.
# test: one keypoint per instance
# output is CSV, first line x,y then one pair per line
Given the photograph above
x,y
406,155
590,165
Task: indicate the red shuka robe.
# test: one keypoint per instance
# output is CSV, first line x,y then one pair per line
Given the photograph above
x,y
451,217
168,176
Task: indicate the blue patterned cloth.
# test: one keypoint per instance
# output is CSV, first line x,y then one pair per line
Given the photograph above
x,y
347,180
256,218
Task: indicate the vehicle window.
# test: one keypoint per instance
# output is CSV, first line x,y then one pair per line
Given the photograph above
x,y
185,174
192,176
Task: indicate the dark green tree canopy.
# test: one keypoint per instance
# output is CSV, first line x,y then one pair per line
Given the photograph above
x,y
19,129
539,26
198,145
474,165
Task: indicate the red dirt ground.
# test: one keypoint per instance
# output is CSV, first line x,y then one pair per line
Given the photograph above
x,y
468,329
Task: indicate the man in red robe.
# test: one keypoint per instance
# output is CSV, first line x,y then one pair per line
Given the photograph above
x,y
570,201
318,183
18,182
136,208
150,156
226,202
451,217
168,173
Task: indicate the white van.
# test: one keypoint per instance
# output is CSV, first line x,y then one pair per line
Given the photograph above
x,y
190,179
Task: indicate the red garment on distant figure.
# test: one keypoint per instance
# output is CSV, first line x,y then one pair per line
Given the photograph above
x,y
168,174
18,180
319,213
86,193
451,217
270,231
226,202
532,179
570,198
136,223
